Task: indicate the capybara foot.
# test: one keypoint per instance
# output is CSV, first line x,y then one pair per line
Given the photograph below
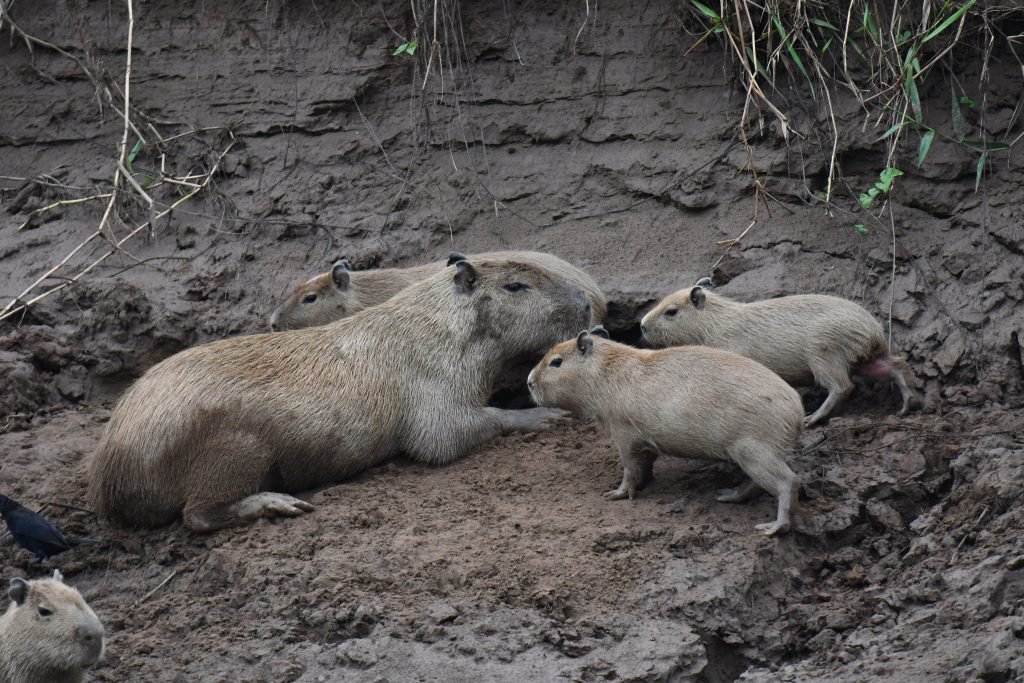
x,y
728,495
739,495
772,528
625,490
540,419
205,518
269,504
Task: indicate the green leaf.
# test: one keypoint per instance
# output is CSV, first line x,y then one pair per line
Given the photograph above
x,y
793,55
964,99
825,46
892,130
915,100
867,199
926,144
887,176
985,145
947,22
824,24
861,228
707,11
400,49
134,153
411,48
958,119
981,170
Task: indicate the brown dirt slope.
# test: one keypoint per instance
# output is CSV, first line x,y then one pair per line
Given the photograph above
x,y
613,151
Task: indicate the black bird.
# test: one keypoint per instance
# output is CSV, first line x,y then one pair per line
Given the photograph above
x,y
35,533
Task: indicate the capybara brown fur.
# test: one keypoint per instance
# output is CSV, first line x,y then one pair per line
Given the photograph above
x,y
48,634
342,292
222,432
691,401
805,338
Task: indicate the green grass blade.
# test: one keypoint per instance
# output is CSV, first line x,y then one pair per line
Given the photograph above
x,y
926,144
892,130
981,170
793,55
134,153
986,145
947,22
707,11
910,85
958,119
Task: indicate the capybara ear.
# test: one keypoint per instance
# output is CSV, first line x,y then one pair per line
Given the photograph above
x,y
697,298
465,276
455,257
584,342
599,331
57,576
706,283
18,591
339,273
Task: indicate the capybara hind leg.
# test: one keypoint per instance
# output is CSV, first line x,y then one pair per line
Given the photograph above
x,y
747,491
839,389
770,472
908,395
212,516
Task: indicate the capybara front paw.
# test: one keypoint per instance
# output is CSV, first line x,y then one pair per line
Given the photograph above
x,y
616,494
541,419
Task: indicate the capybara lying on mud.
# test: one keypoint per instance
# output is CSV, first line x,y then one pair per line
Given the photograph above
x,y
218,432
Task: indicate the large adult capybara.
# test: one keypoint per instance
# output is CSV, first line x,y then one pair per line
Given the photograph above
x,y
219,432
342,292
48,634
805,338
691,401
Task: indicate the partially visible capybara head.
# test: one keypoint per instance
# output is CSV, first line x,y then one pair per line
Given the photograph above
x,y
342,292
319,300
48,633
520,304
570,374
681,318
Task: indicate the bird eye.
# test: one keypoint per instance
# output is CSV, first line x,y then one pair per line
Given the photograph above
x,y
555,363
309,299
516,286
43,612
670,312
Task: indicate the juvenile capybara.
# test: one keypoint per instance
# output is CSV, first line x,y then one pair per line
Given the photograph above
x,y
219,432
691,401
48,634
342,292
805,338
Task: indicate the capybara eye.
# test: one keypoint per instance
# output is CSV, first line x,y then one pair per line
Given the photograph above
x,y
669,312
43,612
516,286
309,299
555,363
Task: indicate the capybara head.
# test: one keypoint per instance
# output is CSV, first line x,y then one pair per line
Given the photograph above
x,y
49,629
317,301
571,371
523,305
681,318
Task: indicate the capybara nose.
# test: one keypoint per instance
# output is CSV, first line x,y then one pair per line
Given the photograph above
x,y
643,328
274,323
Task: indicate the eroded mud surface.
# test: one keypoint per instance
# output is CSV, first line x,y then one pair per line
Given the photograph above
x,y
907,561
